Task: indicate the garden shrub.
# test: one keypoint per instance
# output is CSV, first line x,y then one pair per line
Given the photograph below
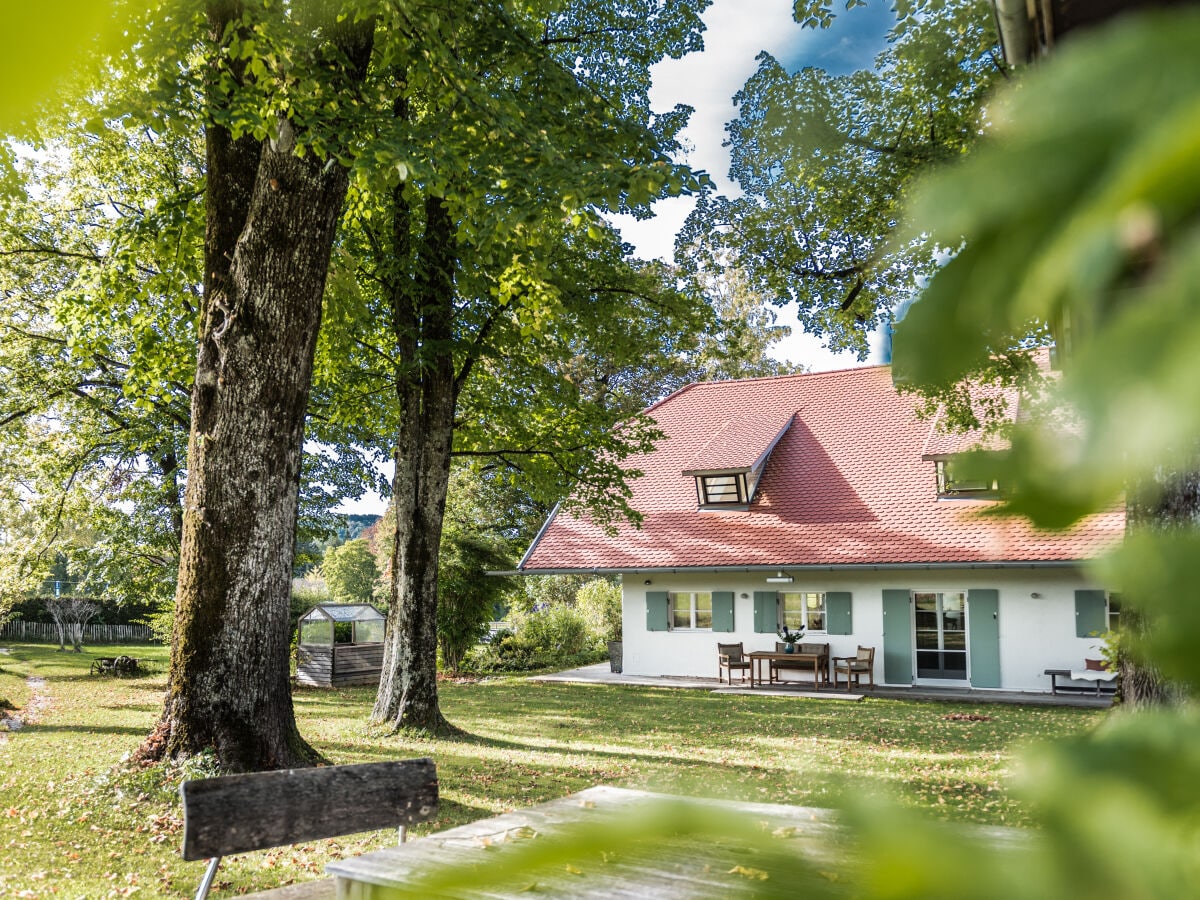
x,y
556,630
554,637
599,602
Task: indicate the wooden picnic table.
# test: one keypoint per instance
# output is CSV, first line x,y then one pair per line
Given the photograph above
x,y
699,868
758,657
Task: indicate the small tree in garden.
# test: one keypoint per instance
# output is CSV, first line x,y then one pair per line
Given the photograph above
x,y
599,602
467,595
350,572
70,614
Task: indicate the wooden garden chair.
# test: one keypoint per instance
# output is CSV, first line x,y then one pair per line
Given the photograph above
x,y
863,663
730,657
241,813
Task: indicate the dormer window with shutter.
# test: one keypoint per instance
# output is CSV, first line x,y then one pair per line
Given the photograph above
x,y
728,468
948,449
952,485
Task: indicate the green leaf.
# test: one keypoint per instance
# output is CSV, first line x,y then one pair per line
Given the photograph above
x,y
42,45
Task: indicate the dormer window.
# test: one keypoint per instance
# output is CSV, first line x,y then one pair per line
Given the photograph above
x,y
722,489
952,485
728,468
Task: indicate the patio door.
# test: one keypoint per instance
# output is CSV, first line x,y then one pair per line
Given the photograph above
x,y
940,622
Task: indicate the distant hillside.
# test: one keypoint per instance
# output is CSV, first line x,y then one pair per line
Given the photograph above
x,y
355,525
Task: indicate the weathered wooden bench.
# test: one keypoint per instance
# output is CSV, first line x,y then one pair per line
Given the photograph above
x,y
242,813
1100,687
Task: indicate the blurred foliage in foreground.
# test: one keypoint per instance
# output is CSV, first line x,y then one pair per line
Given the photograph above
x,y
1086,214
1118,820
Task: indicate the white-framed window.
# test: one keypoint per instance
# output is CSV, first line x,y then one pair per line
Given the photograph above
x,y
1112,611
691,610
803,609
950,484
721,490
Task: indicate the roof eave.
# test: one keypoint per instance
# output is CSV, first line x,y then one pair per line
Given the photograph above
x,y
804,567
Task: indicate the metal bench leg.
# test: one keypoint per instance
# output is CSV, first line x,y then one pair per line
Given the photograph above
x,y
209,874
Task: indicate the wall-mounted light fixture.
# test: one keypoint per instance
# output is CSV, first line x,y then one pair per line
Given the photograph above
x,y
779,578
1036,596
647,581
744,595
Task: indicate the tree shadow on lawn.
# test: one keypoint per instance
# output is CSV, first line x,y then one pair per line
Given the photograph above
x,y
374,751
575,768
154,709
99,680
517,785
35,727
905,725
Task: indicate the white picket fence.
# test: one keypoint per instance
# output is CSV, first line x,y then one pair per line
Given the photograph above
x,y
47,633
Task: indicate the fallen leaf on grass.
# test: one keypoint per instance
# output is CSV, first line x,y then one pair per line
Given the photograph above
x,y
747,872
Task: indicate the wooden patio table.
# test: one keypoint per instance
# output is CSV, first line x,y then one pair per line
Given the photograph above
x,y
757,657
674,868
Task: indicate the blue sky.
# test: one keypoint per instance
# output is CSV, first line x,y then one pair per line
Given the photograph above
x,y
738,30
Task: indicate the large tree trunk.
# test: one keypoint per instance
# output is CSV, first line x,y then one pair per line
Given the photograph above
x,y
426,391
272,217
1169,501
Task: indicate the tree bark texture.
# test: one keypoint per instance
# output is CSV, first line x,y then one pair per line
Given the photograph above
x,y
1169,501
427,394
272,218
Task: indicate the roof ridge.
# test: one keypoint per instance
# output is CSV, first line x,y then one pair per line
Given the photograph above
x,y
716,381
843,371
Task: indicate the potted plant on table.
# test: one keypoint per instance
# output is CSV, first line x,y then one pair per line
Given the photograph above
x,y
790,638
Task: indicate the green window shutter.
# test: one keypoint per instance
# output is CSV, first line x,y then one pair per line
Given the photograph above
x,y
983,615
722,611
837,613
766,612
897,637
1090,613
658,611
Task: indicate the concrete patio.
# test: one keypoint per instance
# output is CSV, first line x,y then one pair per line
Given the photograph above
x,y
600,674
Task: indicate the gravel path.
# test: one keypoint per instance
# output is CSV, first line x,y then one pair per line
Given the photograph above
x,y
38,702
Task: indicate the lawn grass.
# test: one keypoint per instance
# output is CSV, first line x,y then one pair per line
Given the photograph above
x,y
70,827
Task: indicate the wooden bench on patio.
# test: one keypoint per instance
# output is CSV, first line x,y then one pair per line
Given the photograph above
x,y
242,813
1105,682
803,665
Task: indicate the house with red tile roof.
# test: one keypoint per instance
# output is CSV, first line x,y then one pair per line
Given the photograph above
x,y
824,501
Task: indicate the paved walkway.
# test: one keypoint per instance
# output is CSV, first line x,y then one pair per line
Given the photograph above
x,y
600,674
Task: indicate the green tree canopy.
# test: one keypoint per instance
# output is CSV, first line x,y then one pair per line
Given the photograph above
x,y
824,163
350,572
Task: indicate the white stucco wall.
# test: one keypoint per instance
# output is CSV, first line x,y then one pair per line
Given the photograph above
x,y
1036,633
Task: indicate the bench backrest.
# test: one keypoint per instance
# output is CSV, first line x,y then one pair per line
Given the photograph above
x,y
241,813
819,649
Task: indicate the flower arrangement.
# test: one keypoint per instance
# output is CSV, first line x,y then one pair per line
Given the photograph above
x,y
790,637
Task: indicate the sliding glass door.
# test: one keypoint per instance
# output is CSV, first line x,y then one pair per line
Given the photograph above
x,y
940,620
